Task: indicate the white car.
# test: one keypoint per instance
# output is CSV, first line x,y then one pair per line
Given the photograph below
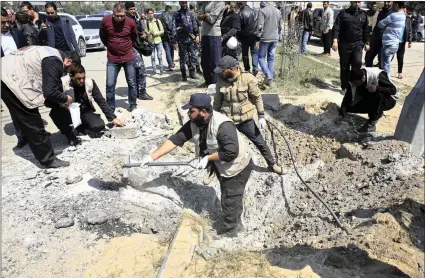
x,y
91,26
78,30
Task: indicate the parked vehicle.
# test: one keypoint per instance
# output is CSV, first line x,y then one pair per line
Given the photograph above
x,y
91,26
76,27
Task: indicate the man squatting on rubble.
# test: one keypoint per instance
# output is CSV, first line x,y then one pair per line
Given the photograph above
x,y
370,92
235,89
217,140
25,88
84,91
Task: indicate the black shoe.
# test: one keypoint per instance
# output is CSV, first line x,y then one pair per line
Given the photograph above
x,y
145,96
21,143
184,75
231,233
75,142
255,73
57,163
203,85
192,74
198,70
132,107
369,126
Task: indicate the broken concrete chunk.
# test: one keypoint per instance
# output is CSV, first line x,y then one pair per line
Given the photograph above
x,y
64,223
167,127
96,217
350,151
73,178
126,132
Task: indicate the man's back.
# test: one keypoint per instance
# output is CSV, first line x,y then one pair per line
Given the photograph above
x,y
249,22
269,22
394,25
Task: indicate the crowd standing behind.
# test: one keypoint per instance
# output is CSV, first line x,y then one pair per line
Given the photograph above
x,y
218,30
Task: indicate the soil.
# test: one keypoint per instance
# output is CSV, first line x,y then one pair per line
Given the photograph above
x,y
122,228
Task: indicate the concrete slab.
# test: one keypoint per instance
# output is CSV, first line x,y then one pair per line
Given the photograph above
x,y
410,126
127,132
271,101
181,249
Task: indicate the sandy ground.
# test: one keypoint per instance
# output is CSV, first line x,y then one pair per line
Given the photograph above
x,y
134,239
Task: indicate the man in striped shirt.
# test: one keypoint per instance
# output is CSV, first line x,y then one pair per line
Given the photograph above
x,y
394,25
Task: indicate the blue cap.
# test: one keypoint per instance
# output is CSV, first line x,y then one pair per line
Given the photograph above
x,y
198,100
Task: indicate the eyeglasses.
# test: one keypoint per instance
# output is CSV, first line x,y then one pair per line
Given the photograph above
x,y
50,13
4,22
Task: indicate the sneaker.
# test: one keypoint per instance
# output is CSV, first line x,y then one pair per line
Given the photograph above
x,y
369,126
271,83
278,169
266,80
57,163
231,233
208,177
170,69
255,73
21,143
400,76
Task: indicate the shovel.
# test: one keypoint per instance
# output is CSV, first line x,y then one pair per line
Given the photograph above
x,y
128,164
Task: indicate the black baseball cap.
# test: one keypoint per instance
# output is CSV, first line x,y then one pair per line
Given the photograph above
x,y
198,100
225,63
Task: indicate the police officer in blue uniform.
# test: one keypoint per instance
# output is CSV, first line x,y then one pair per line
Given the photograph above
x,y
186,35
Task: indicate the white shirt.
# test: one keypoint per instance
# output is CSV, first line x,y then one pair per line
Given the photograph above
x,y
8,43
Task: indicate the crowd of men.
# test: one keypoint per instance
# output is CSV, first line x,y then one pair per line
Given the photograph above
x,y
221,34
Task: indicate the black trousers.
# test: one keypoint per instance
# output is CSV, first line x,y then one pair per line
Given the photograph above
x,y
31,125
350,56
248,44
232,190
91,123
211,55
251,131
326,40
374,105
400,56
375,49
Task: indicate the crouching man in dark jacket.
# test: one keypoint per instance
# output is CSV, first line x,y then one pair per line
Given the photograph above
x,y
369,92
84,91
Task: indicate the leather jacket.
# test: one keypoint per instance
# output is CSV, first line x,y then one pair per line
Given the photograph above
x,y
249,22
167,22
29,35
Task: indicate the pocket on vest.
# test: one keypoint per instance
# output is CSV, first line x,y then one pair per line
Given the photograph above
x,y
31,89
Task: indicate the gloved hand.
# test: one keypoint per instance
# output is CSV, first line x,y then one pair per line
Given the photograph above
x,y
146,160
262,123
203,163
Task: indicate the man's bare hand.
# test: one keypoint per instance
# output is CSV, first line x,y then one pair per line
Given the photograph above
x,y
43,26
144,35
335,46
371,88
197,40
326,31
117,122
366,47
67,103
175,46
409,45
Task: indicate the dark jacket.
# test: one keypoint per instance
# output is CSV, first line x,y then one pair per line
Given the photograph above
x,y
167,22
305,17
385,89
69,35
351,26
230,25
52,72
138,22
28,35
383,13
408,33
16,38
249,23
118,38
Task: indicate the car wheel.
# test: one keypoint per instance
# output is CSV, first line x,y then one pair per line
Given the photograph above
x,y
418,37
82,46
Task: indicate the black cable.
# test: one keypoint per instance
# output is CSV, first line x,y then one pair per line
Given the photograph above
x,y
299,176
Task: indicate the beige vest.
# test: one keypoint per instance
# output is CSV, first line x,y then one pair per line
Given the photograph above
x,y
67,87
226,169
22,73
236,103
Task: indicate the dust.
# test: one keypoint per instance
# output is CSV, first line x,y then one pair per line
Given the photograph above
x,y
137,255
